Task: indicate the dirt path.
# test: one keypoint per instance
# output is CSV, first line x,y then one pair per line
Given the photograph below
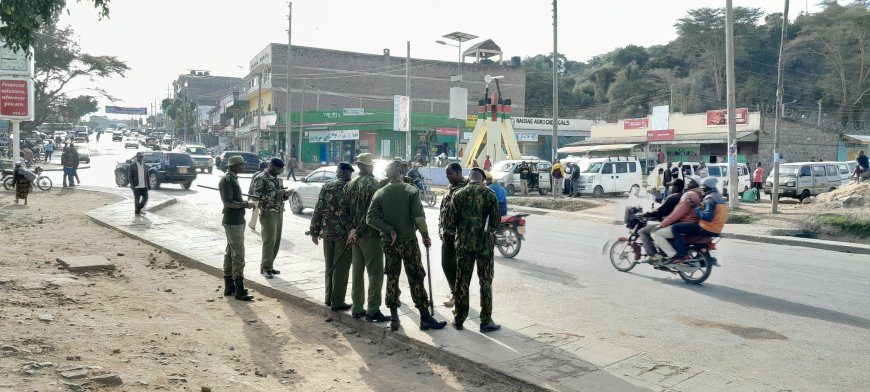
x,y
155,325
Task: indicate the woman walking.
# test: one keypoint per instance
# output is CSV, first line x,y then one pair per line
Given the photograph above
x,y
23,184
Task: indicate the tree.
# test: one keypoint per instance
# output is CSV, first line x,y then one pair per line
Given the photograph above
x,y
182,111
23,19
58,62
76,108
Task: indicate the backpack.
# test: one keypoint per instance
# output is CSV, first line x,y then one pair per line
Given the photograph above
x,y
557,173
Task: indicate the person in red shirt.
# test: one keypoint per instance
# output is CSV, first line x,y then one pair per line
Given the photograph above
x,y
487,164
758,180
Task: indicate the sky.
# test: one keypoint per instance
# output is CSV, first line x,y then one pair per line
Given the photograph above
x,y
161,39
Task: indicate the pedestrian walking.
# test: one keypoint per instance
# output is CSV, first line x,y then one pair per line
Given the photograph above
x,y
137,173
476,217
367,254
49,150
66,160
75,162
397,213
487,164
558,174
447,229
234,228
255,213
525,170
291,168
331,223
758,180
23,180
270,191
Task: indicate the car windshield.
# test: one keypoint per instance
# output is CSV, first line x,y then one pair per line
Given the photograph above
x,y
251,158
178,159
788,170
503,167
197,150
716,171
593,168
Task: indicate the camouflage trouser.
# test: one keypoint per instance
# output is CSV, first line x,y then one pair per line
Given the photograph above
x,y
409,252
465,266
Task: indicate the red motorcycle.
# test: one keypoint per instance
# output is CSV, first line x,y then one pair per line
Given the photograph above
x,y
510,235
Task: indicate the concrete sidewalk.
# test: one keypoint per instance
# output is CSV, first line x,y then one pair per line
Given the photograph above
x,y
525,350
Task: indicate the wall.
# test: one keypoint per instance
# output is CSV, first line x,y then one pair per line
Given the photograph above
x,y
799,142
679,122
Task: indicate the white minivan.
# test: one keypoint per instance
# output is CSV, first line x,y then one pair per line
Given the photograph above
x,y
720,171
613,175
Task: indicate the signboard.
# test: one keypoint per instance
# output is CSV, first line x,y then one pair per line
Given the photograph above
x,y
354,112
458,103
467,135
471,121
16,99
328,136
660,117
401,113
660,135
318,136
15,62
636,123
719,118
526,136
264,57
447,131
684,153
123,110
545,124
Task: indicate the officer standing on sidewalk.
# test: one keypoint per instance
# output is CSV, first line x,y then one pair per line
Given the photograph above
x,y
367,251
332,223
234,227
447,229
397,212
476,217
256,212
269,189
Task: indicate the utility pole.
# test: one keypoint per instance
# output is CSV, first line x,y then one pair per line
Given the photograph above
x,y
734,199
672,99
301,124
819,123
555,144
774,195
287,130
408,94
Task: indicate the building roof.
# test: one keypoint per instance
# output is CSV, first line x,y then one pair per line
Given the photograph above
x,y
686,138
863,139
486,48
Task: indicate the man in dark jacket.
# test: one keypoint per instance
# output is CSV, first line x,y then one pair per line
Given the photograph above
x,y
137,173
658,214
666,179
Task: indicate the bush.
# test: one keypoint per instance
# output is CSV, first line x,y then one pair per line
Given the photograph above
x,y
741,219
851,226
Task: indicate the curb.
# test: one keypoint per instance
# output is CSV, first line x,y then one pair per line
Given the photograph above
x,y
802,242
83,167
445,357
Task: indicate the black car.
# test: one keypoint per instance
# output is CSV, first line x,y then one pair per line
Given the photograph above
x,y
117,136
252,161
163,167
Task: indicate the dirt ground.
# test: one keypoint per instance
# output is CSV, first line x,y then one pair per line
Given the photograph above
x,y
153,324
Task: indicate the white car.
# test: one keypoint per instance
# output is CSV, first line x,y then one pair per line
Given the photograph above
x,y
131,142
305,196
720,172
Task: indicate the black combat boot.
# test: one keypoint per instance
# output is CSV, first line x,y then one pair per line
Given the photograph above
x,y
241,293
394,323
229,286
429,322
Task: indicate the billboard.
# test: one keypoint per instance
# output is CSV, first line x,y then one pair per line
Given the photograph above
x,y
661,117
123,110
401,113
636,123
662,135
16,99
458,103
719,118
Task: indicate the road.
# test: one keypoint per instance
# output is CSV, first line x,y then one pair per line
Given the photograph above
x,y
783,317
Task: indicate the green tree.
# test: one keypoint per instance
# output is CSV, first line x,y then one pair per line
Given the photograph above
x,y
75,108
23,19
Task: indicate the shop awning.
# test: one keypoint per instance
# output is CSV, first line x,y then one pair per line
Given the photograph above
x,y
597,148
859,139
686,138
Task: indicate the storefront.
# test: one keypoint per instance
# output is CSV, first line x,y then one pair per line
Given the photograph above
x,y
850,145
535,135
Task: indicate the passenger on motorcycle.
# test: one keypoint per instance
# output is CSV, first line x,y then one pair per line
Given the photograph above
x,y
683,213
415,175
500,194
712,218
668,206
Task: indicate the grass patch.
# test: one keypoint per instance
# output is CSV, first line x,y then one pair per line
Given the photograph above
x,y
849,226
565,204
741,219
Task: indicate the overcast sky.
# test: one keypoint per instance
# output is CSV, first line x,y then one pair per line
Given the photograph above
x,y
161,39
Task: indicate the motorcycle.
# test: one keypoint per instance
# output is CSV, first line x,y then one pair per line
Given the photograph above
x,y
510,234
39,181
627,252
426,194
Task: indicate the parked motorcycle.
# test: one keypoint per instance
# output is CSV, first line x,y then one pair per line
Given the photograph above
x,y
510,235
42,182
627,252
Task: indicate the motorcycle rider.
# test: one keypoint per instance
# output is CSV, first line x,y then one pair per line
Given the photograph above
x,y
682,213
415,175
500,193
712,216
668,206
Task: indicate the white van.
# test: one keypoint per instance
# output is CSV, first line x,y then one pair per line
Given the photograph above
x,y
845,172
720,171
804,179
613,175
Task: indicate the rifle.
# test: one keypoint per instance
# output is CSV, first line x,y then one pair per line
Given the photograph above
x,y
216,189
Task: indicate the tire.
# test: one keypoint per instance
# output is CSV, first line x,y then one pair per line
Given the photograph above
x,y
620,254
44,183
296,206
805,194
598,191
704,270
543,192
509,244
154,181
121,179
186,185
8,183
432,199
634,191
511,189
209,170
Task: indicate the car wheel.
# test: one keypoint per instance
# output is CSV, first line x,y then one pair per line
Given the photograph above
x,y
121,179
804,195
542,191
635,191
209,170
154,181
296,206
511,189
186,185
598,191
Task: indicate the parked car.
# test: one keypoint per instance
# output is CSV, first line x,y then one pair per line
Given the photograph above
x,y
200,155
163,167
804,179
305,195
508,174
720,171
80,140
252,161
131,142
62,135
83,135
612,175
117,136
845,172
84,153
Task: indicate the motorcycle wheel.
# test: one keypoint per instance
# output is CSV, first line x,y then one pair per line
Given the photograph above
x,y
432,200
705,267
44,183
508,242
620,256
8,183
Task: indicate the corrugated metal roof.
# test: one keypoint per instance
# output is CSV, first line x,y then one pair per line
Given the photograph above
x,y
691,138
861,138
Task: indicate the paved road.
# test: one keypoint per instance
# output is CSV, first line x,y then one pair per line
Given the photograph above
x,y
784,317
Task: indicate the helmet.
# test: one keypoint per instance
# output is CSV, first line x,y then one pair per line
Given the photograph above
x,y
693,182
710,182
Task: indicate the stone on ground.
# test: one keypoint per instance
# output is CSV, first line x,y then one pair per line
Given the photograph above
x,y
86,263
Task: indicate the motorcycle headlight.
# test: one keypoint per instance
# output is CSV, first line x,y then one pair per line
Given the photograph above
x,y
790,183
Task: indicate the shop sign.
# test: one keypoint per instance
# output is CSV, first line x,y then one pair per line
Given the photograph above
x,y
354,112
447,131
565,124
318,136
665,135
401,113
328,136
471,121
719,118
636,123
683,153
467,135
526,136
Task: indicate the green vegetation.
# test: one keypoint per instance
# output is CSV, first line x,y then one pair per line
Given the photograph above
x,y
741,219
548,203
845,225
23,19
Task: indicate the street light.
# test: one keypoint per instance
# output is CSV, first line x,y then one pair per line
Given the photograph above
x,y
459,37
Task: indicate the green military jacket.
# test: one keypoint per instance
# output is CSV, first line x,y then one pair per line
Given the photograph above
x,y
356,201
330,220
475,215
266,187
445,221
231,192
396,207
405,179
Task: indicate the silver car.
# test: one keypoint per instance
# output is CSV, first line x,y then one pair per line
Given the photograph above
x,y
305,195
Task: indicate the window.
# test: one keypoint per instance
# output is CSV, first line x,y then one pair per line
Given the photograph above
x,y
621,167
632,167
593,168
607,168
818,171
179,159
152,158
805,171
714,171
329,176
315,177
832,170
844,169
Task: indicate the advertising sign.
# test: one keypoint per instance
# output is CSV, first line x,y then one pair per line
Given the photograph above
x,y
467,135
16,99
719,118
354,112
684,153
123,110
636,123
318,136
458,103
661,117
401,113
660,136
546,124
526,136
328,136
471,121
447,131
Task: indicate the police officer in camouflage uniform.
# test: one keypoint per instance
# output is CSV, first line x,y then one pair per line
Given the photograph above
x,y
234,227
475,214
331,222
397,213
368,253
447,230
271,194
